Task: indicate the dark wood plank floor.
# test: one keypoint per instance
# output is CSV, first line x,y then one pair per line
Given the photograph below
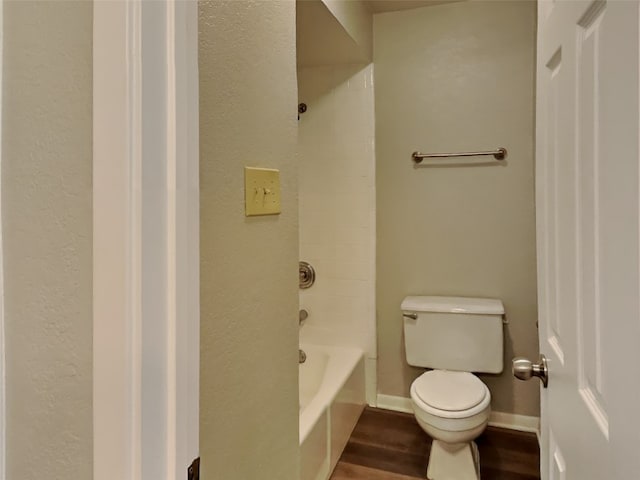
x,y
389,445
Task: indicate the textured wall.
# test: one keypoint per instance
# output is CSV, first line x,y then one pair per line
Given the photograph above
x,y
47,225
249,275
452,78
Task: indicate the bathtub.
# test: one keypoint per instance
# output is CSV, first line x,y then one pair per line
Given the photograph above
x,y
332,396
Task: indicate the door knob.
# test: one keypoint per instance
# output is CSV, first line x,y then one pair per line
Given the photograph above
x,y
525,369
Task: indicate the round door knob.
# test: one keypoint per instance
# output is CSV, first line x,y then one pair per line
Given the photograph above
x,y
525,369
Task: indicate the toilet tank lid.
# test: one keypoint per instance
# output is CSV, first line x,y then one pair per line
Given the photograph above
x,y
478,306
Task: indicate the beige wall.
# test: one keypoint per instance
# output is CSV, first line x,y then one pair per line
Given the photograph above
x,y
249,278
47,227
452,78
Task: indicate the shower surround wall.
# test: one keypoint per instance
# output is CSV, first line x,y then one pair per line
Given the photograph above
x,y
337,207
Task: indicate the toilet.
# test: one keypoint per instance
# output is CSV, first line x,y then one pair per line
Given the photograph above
x,y
454,336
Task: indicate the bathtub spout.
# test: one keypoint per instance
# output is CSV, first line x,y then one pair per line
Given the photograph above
x,y
302,357
303,315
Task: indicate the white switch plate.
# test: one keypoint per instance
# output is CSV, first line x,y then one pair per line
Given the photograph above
x,y
261,191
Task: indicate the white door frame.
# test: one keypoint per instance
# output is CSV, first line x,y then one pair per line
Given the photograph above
x,y
145,239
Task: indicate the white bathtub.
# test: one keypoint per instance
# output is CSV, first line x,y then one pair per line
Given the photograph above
x,y
332,397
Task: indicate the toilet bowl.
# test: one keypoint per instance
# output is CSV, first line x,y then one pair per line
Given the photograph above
x,y
453,409
454,336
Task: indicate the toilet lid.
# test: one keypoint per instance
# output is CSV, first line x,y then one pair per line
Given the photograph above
x,y
450,391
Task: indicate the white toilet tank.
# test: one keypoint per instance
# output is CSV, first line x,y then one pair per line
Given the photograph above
x,y
454,333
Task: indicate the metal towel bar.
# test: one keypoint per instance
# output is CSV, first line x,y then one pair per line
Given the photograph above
x,y
498,154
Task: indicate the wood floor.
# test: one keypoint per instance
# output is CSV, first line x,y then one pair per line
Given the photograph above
x,y
389,445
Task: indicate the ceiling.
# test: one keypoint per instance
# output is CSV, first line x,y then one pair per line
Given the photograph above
x,y
381,6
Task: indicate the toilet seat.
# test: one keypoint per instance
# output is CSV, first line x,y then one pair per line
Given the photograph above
x,y
450,394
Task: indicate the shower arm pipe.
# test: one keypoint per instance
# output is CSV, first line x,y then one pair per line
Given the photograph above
x,y
498,154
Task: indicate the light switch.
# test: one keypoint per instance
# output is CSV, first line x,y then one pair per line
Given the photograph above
x,y
261,191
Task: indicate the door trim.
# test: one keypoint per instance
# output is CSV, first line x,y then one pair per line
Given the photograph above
x,y
183,234
117,164
145,239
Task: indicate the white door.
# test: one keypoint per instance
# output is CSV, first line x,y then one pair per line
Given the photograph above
x,y
587,180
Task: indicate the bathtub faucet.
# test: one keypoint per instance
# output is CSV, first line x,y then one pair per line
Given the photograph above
x,y
302,357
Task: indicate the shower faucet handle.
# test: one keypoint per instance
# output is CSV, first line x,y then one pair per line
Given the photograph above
x,y
303,315
306,275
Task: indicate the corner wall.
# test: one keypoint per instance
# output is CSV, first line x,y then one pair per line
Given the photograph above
x,y
457,77
249,266
356,18
47,230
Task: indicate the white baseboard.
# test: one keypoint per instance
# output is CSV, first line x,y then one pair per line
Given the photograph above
x,y
512,421
397,404
521,423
